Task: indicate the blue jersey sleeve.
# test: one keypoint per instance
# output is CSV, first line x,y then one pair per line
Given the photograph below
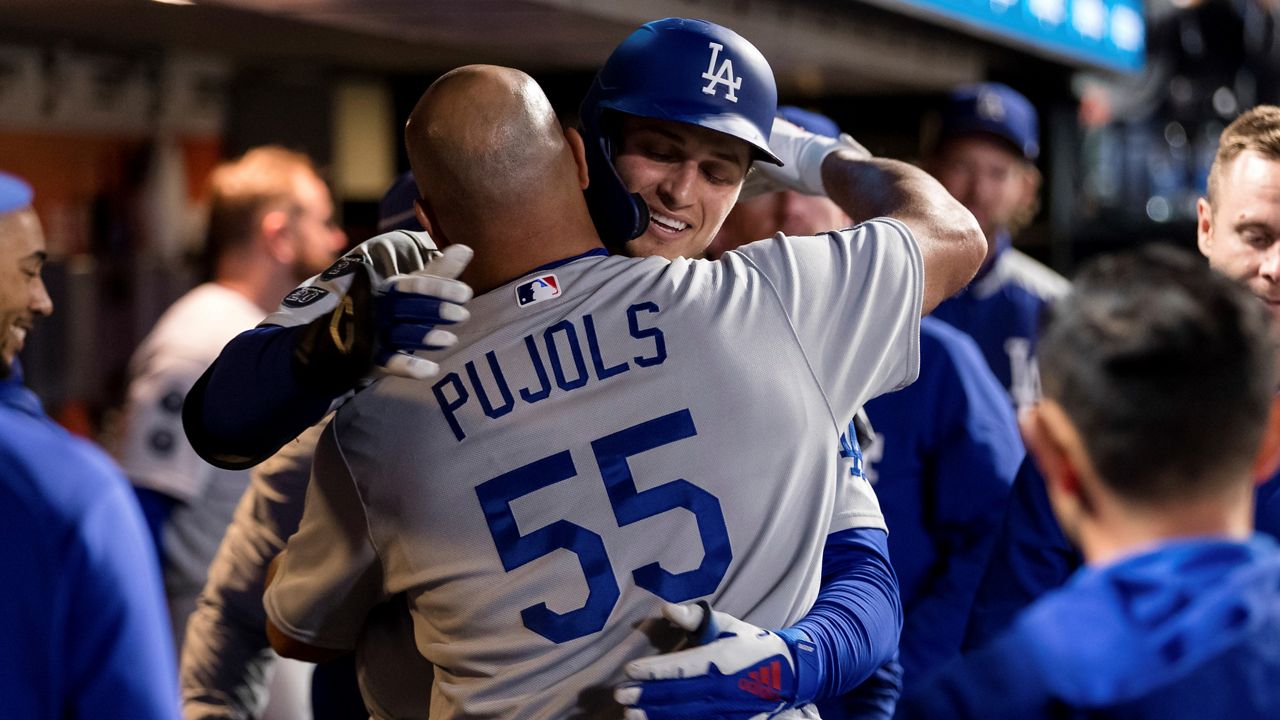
x,y
1030,556
856,619
249,403
875,699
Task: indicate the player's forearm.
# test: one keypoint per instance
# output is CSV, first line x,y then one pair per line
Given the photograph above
x,y
949,237
856,620
249,403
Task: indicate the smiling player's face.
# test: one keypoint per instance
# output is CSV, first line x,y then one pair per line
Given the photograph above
x,y
23,296
687,175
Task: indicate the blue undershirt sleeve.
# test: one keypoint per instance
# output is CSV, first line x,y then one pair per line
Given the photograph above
x,y
856,619
249,403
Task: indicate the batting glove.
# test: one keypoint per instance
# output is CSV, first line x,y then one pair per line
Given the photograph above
x,y
802,153
411,307
741,671
367,327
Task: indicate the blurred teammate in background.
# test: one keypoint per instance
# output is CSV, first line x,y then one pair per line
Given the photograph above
x,y
1239,232
985,157
271,224
227,657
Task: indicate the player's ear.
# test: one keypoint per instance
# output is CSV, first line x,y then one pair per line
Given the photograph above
x,y
425,217
274,231
1267,461
579,149
1044,440
1204,225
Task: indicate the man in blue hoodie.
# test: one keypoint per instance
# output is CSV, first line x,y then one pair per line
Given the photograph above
x,y
1158,378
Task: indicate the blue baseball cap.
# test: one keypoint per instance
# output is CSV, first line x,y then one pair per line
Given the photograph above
x,y
15,193
395,210
993,109
816,123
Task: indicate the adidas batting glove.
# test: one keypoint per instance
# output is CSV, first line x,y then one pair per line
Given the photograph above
x,y
411,307
740,671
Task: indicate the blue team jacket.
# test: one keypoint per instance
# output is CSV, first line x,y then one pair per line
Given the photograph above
x,y
944,458
83,624
1188,630
1001,310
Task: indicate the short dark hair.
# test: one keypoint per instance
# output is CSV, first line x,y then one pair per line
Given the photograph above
x,y
1167,369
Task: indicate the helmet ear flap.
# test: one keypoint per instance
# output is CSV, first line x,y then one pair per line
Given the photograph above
x,y
618,214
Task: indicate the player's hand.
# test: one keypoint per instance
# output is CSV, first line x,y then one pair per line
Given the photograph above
x,y
740,671
802,153
410,309
367,327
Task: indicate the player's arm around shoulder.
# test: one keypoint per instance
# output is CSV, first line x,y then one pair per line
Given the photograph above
x,y
951,243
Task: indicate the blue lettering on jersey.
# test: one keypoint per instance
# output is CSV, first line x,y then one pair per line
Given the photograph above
x,y
659,342
508,404
561,346
544,386
630,505
570,333
450,407
593,343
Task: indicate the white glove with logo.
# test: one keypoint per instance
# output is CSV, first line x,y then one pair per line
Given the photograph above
x,y
803,153
739,671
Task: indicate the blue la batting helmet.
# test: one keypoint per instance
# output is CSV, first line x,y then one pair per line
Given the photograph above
x,y
688,71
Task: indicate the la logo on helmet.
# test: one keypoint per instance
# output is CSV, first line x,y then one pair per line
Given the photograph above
x,y
722,76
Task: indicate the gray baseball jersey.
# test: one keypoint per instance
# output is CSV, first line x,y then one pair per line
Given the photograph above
x,y
608,434
153,449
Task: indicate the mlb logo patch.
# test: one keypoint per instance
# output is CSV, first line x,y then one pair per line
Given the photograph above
x,y
543,287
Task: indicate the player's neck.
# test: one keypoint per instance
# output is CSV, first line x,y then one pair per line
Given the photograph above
x,y
518,249
1118,530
